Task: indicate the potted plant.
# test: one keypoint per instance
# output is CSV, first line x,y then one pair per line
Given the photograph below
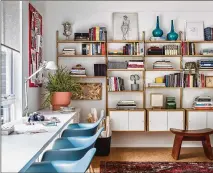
x,y
59,88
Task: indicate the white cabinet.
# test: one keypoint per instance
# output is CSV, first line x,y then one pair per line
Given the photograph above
x,y
164,120
175,120
199,119
157,121
119,120
136,120
127,120
210,120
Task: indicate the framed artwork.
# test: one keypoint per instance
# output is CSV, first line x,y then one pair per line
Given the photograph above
x,y
209,81
35,46
90,91
194,31
125,26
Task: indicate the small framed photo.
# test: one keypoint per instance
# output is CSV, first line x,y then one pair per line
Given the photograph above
x,y
156,100
194,31
209,81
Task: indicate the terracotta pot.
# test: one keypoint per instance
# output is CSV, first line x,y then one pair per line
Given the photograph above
x,y
60,99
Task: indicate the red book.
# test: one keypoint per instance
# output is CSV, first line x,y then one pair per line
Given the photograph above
x,y
103,51
94,33
188,80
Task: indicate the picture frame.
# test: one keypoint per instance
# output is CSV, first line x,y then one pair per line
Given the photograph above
x,y
125,26
194,30
156,100
209,81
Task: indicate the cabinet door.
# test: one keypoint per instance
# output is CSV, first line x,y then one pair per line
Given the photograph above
x,y
210,120
196,120
157,120
175,120
136,120
119,120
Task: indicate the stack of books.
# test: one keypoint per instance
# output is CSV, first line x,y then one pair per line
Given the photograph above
x,y
132,49
205,64
97,33
68,51
163,38
156,85
208,34
162,65
115,84
93,49
78,71
135,64
207,52
190,80
203,103
126,104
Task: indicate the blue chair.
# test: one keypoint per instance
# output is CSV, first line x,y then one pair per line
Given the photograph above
x,y
82,129
72,148
74,166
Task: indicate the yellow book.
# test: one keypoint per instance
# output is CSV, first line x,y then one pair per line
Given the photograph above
x,y
97,33
159,80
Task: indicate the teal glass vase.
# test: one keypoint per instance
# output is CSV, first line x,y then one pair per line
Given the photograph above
x,y
172,35
157,32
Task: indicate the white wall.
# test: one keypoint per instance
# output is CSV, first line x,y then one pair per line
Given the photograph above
x,y
84,15
34,94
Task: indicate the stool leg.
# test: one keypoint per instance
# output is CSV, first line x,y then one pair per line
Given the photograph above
x,y
177,146
207,147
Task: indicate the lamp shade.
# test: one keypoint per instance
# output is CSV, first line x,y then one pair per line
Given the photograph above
x,y
51,65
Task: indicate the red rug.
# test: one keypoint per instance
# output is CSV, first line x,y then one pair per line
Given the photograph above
x,y
156,167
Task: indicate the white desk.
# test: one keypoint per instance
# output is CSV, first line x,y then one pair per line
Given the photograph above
x,y
20,151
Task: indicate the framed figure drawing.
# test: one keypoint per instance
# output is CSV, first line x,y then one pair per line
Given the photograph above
x,y
125,26
194,31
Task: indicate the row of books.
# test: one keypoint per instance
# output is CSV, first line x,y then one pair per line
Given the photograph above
x,y
174,80
68,51
133,64
115,84
93,49
190,80
132,49
165,50
162,65
188,49
97,33
208,34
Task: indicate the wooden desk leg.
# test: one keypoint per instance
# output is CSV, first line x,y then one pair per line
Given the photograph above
x,y
177,146
207,147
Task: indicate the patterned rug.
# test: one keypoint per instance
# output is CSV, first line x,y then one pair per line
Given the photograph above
x,y
156,167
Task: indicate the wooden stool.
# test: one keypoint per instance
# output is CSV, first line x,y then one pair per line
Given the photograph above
x,y
192,135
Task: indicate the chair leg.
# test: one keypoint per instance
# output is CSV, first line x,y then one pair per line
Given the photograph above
x,y
207,147
177,146
91,169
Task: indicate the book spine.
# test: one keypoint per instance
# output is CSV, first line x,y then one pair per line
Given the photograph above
x,y
97,33
94,33
101,34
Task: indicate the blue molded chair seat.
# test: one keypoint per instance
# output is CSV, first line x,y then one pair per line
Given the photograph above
x,y
71,148
81,129
80,165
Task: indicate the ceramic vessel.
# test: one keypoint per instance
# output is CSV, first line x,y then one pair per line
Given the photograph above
x,y
172,35
157,32
60,99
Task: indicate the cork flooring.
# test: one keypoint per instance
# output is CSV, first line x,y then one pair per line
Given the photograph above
x,y
151,154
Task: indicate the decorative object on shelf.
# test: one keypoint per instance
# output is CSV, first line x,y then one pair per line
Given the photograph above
x,y
207,52
203,103
117,65
191,66
209,81
125,26
157,32
170,103
67,29
59,88
100,70
135,86
194,31
78,71
35,46
159,80
172,35
156,100
126,104
90,91
81,36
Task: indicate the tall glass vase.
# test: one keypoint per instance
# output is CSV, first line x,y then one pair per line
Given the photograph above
x,y
157,32
172,35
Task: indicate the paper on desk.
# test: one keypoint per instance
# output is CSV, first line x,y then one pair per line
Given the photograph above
x,y
23,128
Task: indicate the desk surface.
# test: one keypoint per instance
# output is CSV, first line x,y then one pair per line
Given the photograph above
x,y
20,151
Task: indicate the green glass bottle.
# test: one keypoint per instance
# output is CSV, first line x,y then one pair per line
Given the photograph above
x,y
157,32
172,35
